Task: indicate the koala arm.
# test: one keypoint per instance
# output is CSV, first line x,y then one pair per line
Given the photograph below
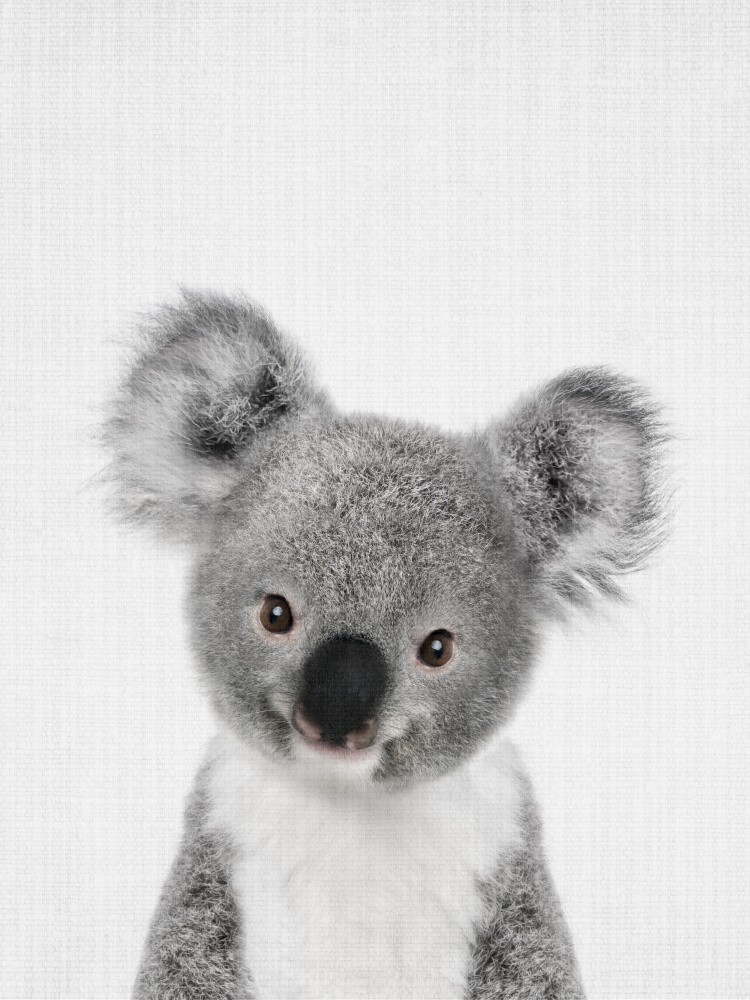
x,y
523,949
193,945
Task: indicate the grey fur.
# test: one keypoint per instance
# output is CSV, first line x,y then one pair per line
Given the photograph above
x,y
577,458
211,375
523,949
193,946
383,530
398,513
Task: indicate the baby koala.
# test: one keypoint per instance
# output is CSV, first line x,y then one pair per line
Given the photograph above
x,y
365,605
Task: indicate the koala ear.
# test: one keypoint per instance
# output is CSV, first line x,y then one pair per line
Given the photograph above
x,y
214,375
579,463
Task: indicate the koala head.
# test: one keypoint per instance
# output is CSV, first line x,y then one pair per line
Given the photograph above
x,y
367,593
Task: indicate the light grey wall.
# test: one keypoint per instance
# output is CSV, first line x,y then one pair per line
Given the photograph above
x,y
446,202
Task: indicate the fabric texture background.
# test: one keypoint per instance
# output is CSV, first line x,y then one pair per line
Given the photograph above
x,y
446,203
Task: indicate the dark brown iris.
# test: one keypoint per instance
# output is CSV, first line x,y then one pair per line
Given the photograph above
x,y
275,614
437,649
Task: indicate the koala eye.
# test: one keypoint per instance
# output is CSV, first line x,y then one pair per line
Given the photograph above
x,y
437,649
275,614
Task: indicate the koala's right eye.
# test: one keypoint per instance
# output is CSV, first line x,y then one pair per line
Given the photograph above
x,y
275,614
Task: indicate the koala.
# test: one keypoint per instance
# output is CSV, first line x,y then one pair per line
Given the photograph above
x,y
366,601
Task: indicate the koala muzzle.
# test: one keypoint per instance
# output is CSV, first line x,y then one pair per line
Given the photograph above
x,y
343,684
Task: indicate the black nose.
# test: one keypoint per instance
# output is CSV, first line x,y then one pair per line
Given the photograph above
x,y
343,684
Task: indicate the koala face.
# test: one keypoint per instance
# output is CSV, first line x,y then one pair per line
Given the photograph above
x,y
367,593
372,537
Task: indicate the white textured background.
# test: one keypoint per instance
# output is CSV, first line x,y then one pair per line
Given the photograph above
x,y
446,202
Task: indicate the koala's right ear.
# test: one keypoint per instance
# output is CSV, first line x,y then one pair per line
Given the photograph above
x,y
215,374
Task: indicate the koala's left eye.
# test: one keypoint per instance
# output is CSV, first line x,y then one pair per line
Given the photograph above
x,y
437,649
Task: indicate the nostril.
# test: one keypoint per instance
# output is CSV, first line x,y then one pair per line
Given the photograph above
x,y
361,737
358,738
304,723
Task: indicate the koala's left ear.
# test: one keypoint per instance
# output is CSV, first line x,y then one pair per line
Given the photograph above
x,y
578,462
213,376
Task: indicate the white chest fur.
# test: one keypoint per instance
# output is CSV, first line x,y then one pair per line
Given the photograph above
x,y
347,890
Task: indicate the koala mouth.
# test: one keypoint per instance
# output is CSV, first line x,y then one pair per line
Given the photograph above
x,y
354,742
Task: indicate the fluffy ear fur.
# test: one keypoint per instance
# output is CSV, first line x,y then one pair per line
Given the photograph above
x,y
214,373
578,460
